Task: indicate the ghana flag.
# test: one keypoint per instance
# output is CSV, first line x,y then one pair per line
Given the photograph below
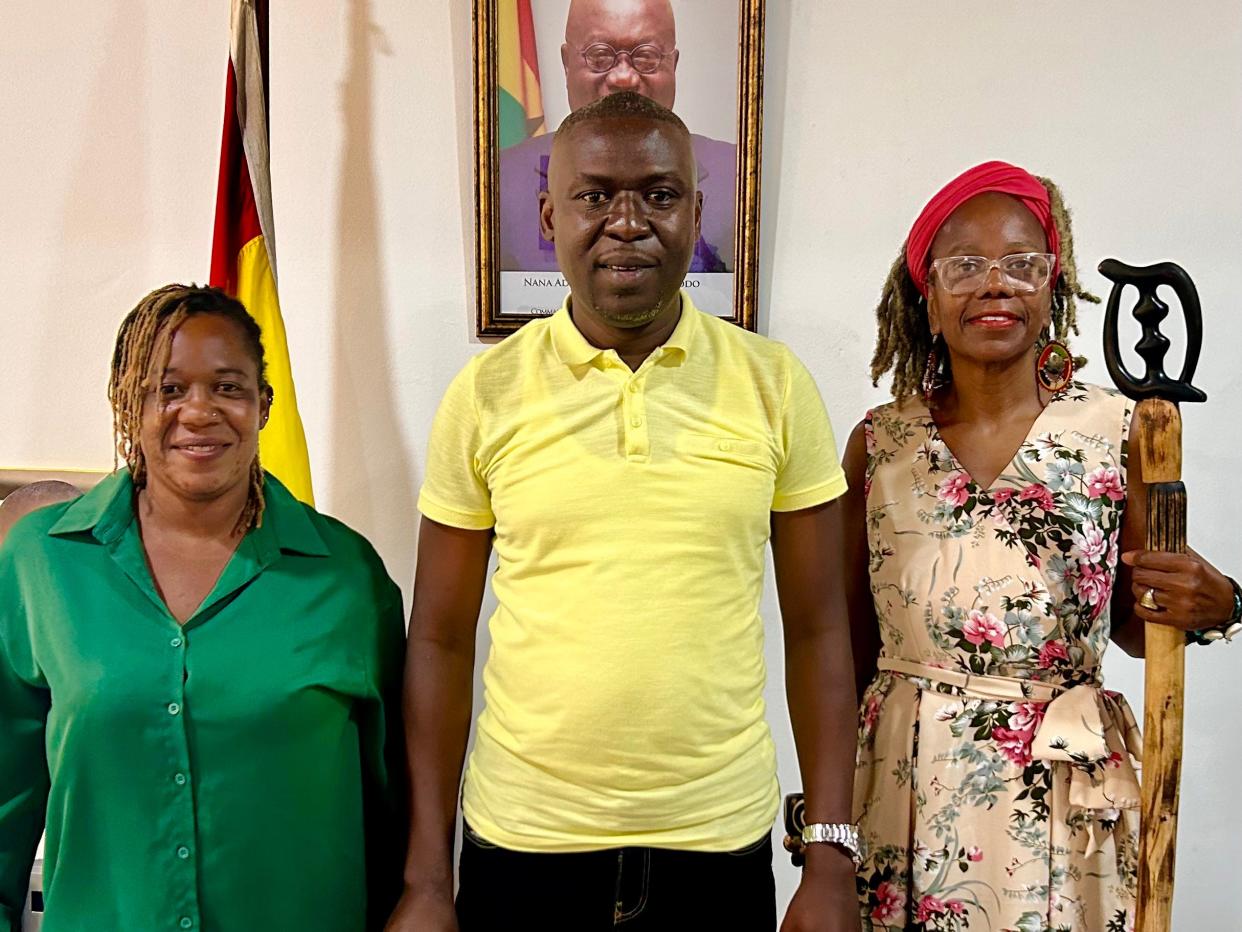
x,y
243,249
521,103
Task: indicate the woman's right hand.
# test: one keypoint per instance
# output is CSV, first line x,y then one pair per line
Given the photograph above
x,y
423,911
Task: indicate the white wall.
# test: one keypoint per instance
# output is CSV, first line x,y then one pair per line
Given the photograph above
x,y
111,114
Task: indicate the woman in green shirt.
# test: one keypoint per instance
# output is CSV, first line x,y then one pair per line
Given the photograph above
x,y
199,675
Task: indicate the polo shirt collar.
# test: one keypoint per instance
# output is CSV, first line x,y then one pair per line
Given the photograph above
x,y
107,511
573,349
682,337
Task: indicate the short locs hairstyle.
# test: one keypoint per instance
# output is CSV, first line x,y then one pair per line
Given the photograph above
x,y
903,338
143,344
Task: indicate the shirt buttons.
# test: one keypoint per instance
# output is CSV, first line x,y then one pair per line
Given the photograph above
x,y
187,922
636,422
724,446
173,708
175,642
633,386
183,852
179,779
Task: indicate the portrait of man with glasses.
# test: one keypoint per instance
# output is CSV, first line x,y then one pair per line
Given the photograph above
x,y
624,45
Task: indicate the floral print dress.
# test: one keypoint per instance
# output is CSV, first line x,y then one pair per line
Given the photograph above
x,y
995,787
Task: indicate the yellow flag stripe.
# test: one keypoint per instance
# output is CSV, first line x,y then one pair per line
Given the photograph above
x,y
514,73
282,444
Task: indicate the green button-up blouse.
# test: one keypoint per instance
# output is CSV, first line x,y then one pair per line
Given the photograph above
x,y
237,773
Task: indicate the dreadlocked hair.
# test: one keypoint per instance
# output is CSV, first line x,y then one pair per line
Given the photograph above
x,y
143,344
904,339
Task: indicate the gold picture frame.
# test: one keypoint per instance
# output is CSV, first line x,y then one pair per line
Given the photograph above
x,y
742,266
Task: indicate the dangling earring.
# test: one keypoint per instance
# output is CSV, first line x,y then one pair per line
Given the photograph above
x,y
1055,367
932,378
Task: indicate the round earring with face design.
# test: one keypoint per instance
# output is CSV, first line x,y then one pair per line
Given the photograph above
x,y
1055,366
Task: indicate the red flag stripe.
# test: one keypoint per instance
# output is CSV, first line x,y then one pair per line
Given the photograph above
x,y
526,37
237,217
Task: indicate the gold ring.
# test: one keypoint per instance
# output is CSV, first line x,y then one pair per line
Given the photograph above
x,y
1148,601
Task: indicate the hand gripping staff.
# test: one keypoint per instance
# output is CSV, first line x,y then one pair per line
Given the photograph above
x,y
1157,395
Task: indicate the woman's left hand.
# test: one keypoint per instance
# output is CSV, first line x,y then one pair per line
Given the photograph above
x,y
1190,592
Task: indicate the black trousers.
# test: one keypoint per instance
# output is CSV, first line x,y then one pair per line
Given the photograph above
x,y
626,889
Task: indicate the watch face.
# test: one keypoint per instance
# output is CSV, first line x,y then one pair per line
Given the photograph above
x,y
795,814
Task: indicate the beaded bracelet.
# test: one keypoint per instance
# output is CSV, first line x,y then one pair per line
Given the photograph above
x,y
1226,630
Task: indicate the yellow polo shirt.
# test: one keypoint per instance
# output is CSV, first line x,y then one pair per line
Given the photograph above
x,y
624,687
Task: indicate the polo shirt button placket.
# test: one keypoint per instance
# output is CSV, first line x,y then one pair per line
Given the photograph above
x,y
637,442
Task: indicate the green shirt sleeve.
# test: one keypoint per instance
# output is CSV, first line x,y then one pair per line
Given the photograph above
x,y
24,704
383,758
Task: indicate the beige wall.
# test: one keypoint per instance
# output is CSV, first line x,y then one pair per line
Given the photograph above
x,y
111,114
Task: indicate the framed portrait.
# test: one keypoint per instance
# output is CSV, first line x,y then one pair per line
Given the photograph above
x,y
536,60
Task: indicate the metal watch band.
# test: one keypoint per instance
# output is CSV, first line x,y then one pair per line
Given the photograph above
x,y
834,833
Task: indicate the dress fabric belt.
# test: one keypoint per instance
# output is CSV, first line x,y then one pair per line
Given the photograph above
x,y
1086,726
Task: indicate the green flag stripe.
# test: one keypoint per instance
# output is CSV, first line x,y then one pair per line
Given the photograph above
x,y
512,120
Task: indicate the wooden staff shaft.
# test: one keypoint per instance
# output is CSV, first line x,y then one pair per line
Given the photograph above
x,y
1161,457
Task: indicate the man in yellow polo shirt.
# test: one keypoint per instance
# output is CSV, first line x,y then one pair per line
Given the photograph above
x,y
629,459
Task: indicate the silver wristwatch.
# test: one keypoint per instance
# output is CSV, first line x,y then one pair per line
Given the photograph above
x,y
835,833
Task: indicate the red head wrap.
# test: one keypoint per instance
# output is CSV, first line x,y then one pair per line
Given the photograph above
x,y
990,176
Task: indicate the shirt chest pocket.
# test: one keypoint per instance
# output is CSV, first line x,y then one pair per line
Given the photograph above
x,y
725,451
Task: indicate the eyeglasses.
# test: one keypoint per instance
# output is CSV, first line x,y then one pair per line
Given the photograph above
x,y
1024,272
602,57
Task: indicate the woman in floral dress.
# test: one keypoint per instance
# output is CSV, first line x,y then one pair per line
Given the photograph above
x,y
996,786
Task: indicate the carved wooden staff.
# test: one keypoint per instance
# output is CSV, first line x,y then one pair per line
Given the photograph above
x,y
1158,395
